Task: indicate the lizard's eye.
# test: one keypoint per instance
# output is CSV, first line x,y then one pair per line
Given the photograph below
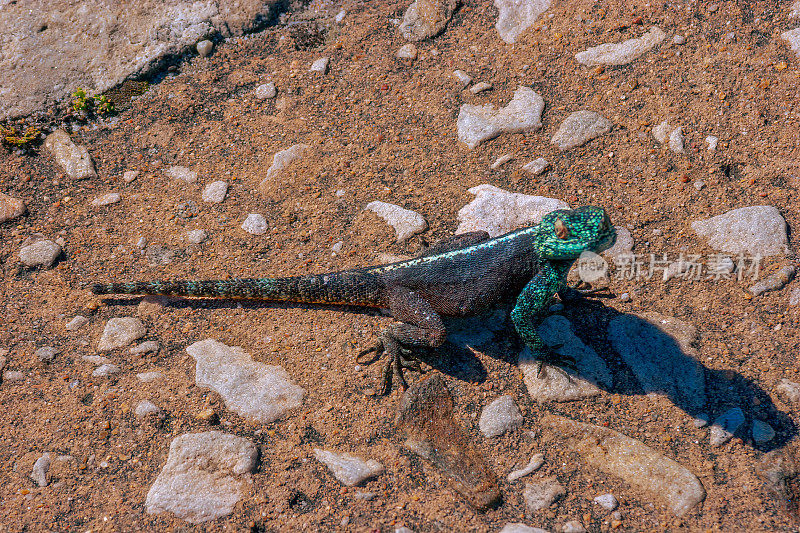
x,y
562,232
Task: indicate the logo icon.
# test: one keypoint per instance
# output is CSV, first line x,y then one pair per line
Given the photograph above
x,y
591,267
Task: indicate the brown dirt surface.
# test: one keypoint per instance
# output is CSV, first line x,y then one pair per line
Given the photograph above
x,y
384,129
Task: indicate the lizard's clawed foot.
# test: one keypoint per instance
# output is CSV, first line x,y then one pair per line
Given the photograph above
x,y
398,358
583,290
551,358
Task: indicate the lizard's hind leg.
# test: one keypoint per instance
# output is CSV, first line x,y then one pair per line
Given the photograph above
x,y
419,327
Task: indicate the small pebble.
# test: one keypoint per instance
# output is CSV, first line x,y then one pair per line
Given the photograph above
x,y
502,160
573,526
13,375
712,141
480,87
145,347
336,248
407,51
196,236
209,416
181,173
42,253
204,48
146,408
774,282
701,420
130,175
46,354
724,427
40,469
320,65
762,432
76,323
105,370
148,377
537,166
537,460
340,16
464,78
624,297
255,224
215,192
699,184
10,207
676,141
266,90
500,416
106,199
678,39
607,502
96,359
119,332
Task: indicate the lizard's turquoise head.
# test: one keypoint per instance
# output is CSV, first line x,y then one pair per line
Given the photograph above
x,y
566,234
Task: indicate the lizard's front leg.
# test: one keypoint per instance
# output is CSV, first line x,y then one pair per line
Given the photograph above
x,y
420,326
531,309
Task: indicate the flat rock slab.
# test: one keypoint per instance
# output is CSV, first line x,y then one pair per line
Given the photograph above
x,y
477,124
516,16
551,384
498,211
579,128
55,47
204,476
633,461
254,390
621,53
426,18
426,419
659,350
348,469
759,229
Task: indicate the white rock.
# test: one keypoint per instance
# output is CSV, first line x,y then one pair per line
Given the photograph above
x,y
758,229
498,211
794,296
13,375
623,52
407,51
204,476
725,426
96,359
215,192
426,18
196,236
254,390
711,141
481,123
762,432
106,370
623,245
661,132
607,502
792,37
406,223
573,526
42,253
502,160
579,128
46,354
676,141
106,199
699,184
340,16
480,87
678,39
204,48
542,494
40,469
130,175
76,323
500,416
537,166
255,224
789,390
348,469
266,90
148,377
145,347
146,408
284,158
320,65
463,78
10,208
518,527
537,460
120,332
181,173
516,16
73,159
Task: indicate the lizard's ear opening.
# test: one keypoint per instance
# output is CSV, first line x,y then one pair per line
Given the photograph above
x,y
562,232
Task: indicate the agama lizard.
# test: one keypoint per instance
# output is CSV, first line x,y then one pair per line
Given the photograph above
x,y
457,277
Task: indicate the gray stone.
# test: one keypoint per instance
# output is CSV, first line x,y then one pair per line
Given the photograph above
x,y
607,501
537,166
788,390
129,175
103,371
758,230
762,432
282,159
55,47
255,224
537,460
795,9
181,173
661,132
794,296
120,332
148,377
701,420
463,78
13,375
542,494
196,236
712,141
498,211
579,128
96,359
215,192
426,18
41,253
348,469
10,208
621,53
551,384
659,350
502,160
676,141
573,526
204,48
407,51
516,16
480,87
73,159
320,65
253,390
774,282
46,354
145,347
40,469
518,527
678,39
77,322
500,416
265,91
147,408
107,199
406,223
724,427
477,124
204,476
633,461
792,38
